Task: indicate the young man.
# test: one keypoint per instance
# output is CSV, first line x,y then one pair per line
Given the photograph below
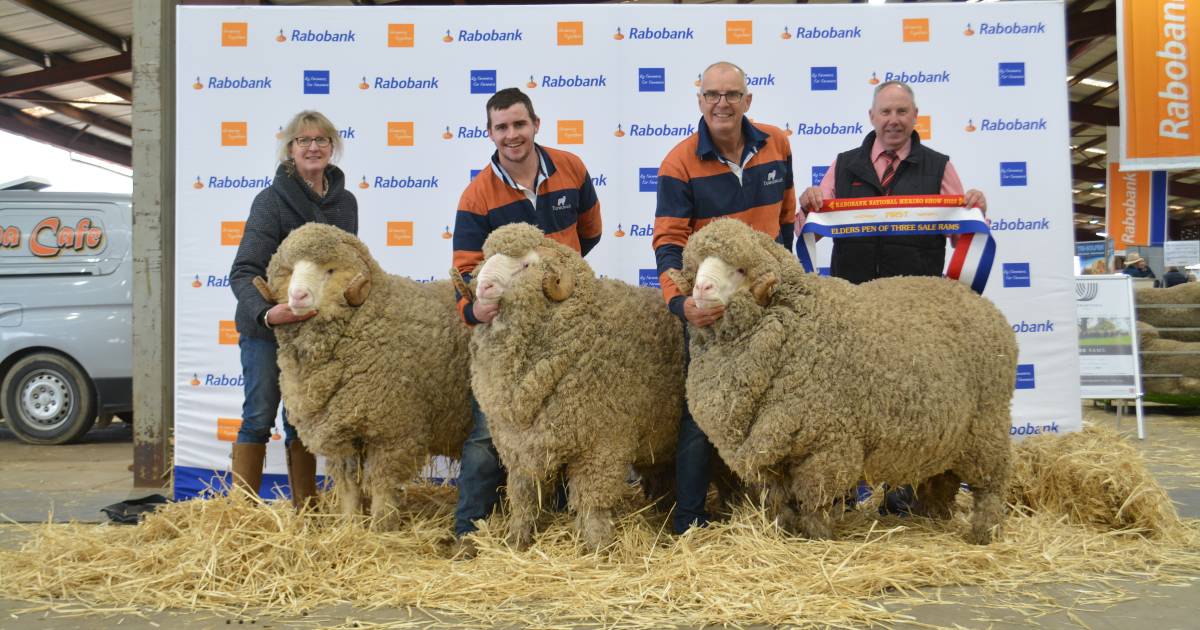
x,y
524,183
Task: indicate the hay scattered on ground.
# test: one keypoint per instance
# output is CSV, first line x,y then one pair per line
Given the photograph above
x,y
234,557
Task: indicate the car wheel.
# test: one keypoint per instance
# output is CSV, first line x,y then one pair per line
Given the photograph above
x,y
47,399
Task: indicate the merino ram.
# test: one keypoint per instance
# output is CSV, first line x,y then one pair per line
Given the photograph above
x,y
808,384
376,381
574,371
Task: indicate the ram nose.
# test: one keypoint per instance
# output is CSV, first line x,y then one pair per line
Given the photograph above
x,y
300,301
489,290
705,291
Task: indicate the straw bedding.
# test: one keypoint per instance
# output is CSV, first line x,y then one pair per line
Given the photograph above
x,y
1070,523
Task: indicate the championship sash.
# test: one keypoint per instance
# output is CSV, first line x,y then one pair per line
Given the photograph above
x,y
907,215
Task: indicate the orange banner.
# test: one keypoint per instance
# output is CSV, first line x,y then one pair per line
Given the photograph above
x,y
1158,42
1136,207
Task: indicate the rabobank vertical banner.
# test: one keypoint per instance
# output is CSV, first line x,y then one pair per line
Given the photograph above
x,y
617,85
1157,45
1136,203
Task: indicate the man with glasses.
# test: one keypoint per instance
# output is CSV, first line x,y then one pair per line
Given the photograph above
x,y
729,167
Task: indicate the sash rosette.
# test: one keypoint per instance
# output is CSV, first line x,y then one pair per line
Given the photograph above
x,y
907,215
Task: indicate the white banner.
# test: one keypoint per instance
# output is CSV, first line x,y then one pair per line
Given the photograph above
x,y
1108,365
615,84
1181,253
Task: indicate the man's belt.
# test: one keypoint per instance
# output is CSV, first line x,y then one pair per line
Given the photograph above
x,y
910,215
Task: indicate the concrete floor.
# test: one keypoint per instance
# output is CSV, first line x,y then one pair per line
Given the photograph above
x,y
75,481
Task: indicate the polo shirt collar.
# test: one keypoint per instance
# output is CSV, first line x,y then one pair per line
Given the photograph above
x,y
546,168
755,139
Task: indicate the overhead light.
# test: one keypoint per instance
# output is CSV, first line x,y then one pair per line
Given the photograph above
x,y
1098,185
37,111
1076,191
1095,150
1102,234
1094,221
97,99
1096,83
1196,211
1175,207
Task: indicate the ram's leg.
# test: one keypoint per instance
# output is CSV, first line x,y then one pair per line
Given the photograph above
x,y
826,474
935,496
595,486
777,500
385,471
987,472
346,482
523,508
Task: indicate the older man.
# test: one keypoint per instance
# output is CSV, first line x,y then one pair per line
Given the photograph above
x,y
729,167
890,161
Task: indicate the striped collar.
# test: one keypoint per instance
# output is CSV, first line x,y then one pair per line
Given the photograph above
x,y
755,139
545,169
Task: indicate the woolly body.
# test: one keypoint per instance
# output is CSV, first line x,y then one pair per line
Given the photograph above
x,y
1186,365
593,382
1186,316
375,388
899,380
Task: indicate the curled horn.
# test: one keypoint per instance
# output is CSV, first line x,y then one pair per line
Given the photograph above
x,y
680,281
555,284
461,285
263,289
357,291
763,287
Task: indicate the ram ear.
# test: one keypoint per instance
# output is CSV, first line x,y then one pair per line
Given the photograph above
x,y
263,289
676,276
357,291
763,287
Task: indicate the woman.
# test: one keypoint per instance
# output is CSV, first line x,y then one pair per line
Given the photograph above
x,y
307,187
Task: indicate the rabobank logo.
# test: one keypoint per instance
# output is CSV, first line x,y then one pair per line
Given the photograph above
x,y
392,181
600,181
652,79
839,31
226,82
1014,174
1011,73
316,81
1016,275
818,174
643,230
1025,376
656,130
654,33
823,78
760,80
221,182
391,82
915,77
469,132
1020,225
648,278
483,82
648,179
309,36
1007,28
828,128
476,36
236,381
573,81
210,281
1024,327
1008,125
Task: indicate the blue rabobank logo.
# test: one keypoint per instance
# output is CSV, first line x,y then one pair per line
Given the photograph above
x,y
406,83
241,82
316,81
1002,125
652,79
573,81
212,282
819,128
818,174
1024,327
1016,275
236,182
464,131
1031,429
1020,225
408,181
221,380
347,133
648,179
760,80
660,130
654,33
1013,174
1011,73
648,278
824,78
483,82
600,181
1011,28
1025,377
642,229
828,32
915,77
320,37
492,35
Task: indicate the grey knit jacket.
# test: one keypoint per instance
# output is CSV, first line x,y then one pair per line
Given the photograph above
x,y
286,205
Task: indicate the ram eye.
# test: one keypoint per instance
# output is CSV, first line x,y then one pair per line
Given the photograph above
x,y
329,271
742,271
525,265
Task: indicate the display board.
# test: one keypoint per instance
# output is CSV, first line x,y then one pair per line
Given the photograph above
x,y
1108,346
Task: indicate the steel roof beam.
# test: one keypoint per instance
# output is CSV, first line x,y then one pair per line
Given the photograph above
x,y
63,136
67,73
116,88
76,23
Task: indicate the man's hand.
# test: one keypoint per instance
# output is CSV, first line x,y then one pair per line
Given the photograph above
x,y
811,199
701,317
975,199
280,314
485,312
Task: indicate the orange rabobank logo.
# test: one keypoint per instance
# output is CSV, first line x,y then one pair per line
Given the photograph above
x,y
924,127
399,233
233,133
570,33
232,231
401,35
227,334
234,33
570,132
739,31
400,133
915,29
1159,90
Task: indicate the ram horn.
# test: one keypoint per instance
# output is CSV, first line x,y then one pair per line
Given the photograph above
x,y
555,284
460,284
263,289
763,287
676,276
357,291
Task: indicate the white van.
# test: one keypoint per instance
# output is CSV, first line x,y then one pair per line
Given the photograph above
x,y
66,324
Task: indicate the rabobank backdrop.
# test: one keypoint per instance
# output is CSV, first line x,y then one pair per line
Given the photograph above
x,y
617,85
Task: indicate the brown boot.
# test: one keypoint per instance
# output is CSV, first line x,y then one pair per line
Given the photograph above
x,y
248,466
302,475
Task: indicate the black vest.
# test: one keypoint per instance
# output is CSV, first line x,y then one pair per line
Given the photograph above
x,y
866,258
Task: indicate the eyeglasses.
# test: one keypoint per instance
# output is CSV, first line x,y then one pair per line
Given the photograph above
x,y
712,98
305,141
